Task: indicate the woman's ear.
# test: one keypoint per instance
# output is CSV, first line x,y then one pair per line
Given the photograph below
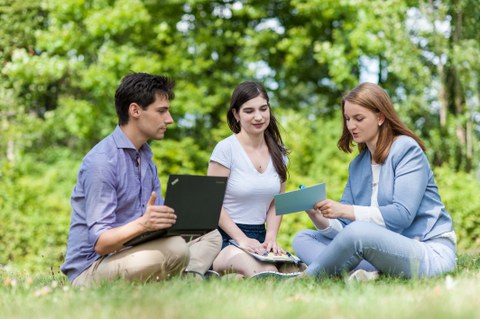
x,y
235,114
381,119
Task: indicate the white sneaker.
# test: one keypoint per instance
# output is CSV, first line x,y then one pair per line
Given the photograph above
x,y
363,275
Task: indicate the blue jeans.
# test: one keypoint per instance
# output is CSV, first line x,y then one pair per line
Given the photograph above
x,y
257,232
364,245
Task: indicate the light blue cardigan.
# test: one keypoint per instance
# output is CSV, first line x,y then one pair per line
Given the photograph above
x,y
408,197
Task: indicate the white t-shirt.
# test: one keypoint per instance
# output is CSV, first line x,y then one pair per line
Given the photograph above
x,y
249,193
364,213
371,213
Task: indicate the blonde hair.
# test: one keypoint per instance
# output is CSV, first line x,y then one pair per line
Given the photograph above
x,y
375,99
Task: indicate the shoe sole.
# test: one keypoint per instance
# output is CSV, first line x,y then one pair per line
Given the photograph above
x,y
275,275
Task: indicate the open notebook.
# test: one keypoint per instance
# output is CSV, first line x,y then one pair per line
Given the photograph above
x,y
269,257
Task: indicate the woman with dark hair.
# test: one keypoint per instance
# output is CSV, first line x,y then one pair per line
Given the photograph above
x,y
390,218
255,160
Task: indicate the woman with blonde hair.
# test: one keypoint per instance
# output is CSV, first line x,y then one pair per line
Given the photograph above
x,y
390,218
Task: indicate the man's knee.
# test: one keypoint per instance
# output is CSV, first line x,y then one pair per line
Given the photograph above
x,y
211,242
174,254
161,258
215,238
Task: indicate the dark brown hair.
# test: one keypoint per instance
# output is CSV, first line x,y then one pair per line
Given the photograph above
x,y
375,99
244,93
141,88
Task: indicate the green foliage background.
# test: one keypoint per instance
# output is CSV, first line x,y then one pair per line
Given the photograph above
x,y
62,60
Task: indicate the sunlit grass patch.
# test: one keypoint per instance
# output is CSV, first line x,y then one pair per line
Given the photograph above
x,y
50,296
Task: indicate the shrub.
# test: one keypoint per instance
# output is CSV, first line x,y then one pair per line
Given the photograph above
x,y
35,214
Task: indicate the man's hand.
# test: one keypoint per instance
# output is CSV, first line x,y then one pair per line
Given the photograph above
x,y
157,217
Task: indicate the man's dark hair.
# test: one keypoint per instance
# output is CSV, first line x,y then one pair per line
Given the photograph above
x,y
141,88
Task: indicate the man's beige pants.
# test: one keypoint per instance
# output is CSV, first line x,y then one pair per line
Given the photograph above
x,y
154,260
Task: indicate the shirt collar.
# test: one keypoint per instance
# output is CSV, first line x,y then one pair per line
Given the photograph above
x,y
122,141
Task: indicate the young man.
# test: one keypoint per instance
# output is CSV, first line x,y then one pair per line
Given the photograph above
x,y
118,196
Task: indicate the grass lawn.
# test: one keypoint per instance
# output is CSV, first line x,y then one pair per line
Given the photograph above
x,y
449,296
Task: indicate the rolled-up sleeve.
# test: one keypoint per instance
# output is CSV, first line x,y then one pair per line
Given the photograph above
x,y
100,197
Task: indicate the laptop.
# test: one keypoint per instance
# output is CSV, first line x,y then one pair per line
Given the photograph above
x,y
299,200
197,201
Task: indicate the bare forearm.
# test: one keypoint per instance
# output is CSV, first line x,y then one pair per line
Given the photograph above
x,y
273,221
318,220
113,239
155,217
273,225
229,226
